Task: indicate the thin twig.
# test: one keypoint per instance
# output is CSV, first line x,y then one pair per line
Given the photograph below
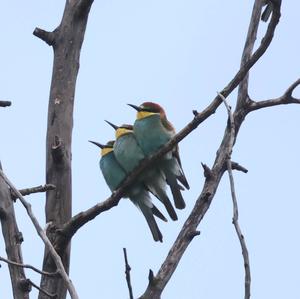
x,y
235,219
28,267
286,98
27,191
240,234
44,237
127,273
41,290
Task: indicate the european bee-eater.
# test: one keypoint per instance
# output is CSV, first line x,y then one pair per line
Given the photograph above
x,y
129,154
153,130
114,175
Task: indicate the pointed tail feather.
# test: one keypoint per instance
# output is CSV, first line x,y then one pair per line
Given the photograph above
x,y
161,194
182,179
163,197
156,212
175,188
177,167
147,212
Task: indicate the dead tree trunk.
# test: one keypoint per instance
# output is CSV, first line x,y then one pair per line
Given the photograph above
x,y
13,239
66,41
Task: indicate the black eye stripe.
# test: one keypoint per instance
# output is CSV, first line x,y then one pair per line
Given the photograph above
x,y
150,110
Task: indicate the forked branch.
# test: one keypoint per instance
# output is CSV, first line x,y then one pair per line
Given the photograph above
x,y
44,237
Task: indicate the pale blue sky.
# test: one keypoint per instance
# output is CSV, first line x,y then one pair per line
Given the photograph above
x,y
178,53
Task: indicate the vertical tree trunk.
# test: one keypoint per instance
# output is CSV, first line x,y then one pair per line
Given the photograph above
x,y
66,41
13,239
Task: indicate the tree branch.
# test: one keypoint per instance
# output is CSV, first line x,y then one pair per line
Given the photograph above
x,y
127,273
247,51
27,266
67,40
240,234
235,219
54,296
159,281
46,36
237,166
286,98
69,229
12,239
5,103
44,237
37,189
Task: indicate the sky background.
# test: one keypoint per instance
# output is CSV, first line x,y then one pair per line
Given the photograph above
x,y
177,53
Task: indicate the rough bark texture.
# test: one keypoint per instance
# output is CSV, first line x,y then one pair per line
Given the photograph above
x,y
13,239
66,41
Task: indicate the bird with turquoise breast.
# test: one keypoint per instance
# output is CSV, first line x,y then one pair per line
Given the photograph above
x,y
114,175
129,155
153,130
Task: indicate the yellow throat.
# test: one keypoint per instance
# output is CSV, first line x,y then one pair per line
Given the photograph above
x,y
122,131
144,114
106,151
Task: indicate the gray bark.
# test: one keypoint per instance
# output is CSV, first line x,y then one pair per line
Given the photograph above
x,y
66,41
13,239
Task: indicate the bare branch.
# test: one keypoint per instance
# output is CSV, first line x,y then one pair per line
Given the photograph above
x,y
247,51
237,166
203,202
127,273
240,234
27,266
41,290
267,11
206,170
46,36
77,221
44,237
13,240
5,103
286,98
235,219
37,189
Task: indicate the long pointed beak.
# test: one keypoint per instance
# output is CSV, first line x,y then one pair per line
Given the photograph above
x,y
137,108
97,143
114,126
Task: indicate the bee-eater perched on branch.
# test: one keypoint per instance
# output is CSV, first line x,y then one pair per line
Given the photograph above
x,y
153,130
129,154
114,175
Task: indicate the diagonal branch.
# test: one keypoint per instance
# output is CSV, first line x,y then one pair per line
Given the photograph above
x,y
76,222
286,98
12,238
27,266
37,189
41,290
44,237
158,282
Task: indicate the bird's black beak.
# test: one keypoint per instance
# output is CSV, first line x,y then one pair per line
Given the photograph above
x,y
97,143
114,126
137,108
